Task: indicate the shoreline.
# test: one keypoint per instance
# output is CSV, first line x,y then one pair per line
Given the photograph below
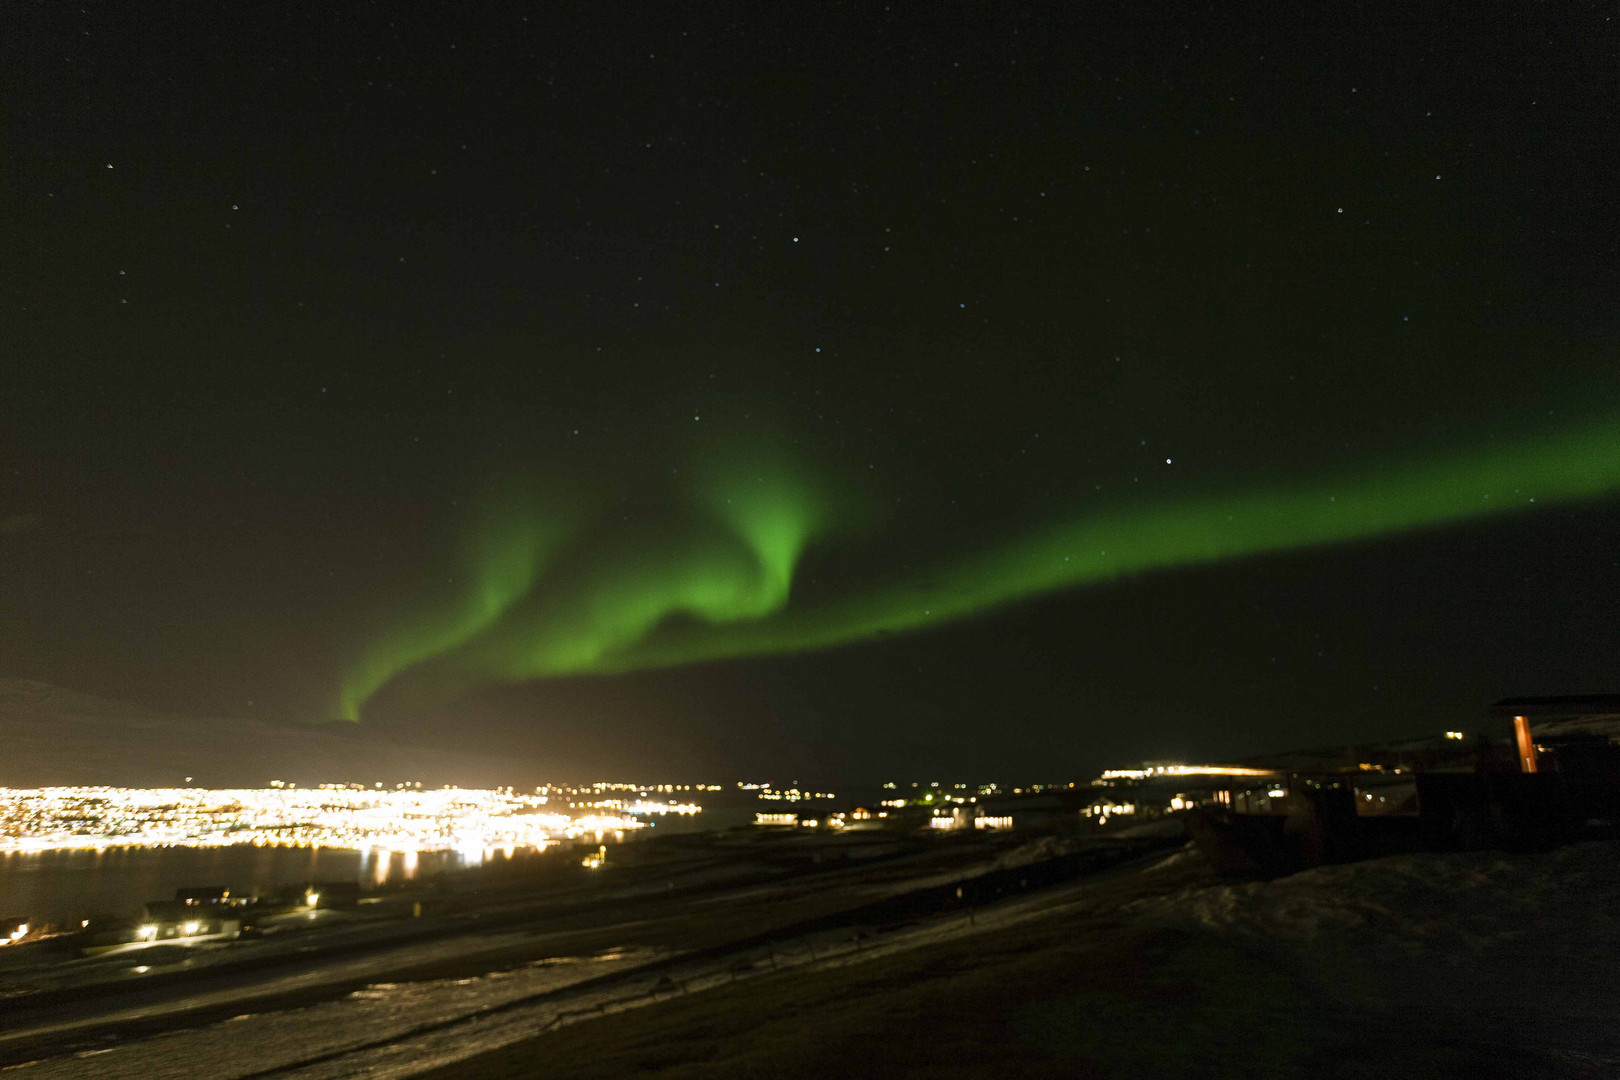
x,y
583,922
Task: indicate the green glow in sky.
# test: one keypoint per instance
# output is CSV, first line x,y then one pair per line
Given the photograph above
x,y
717,583
728,560
511,538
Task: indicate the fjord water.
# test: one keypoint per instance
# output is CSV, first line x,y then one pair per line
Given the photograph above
x,y
65,886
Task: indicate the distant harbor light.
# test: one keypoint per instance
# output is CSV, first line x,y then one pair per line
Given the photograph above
x,y
1149,772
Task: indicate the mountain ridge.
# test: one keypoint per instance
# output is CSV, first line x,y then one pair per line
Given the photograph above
x,y
54,736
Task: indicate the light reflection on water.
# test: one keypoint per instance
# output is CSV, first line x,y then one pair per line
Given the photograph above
x,y
66,885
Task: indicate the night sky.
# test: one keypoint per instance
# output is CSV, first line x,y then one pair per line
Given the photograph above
x,y
840,390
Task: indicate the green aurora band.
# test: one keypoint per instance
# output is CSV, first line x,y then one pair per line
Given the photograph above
x,y
729,569
506,547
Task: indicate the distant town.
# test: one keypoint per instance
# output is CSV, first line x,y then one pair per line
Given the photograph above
x,y
1256,813
408,817
562,903
403,817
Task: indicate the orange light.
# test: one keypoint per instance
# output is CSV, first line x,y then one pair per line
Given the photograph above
x,y
1527,746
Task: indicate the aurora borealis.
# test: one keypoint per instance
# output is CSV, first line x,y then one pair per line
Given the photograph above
x,y
731,558
829,391
732,575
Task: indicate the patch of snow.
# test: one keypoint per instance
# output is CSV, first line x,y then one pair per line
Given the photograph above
x,y
1417,903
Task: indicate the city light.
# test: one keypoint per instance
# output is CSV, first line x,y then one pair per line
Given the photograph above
x,y
1103,811
1150,772
791,794
403,819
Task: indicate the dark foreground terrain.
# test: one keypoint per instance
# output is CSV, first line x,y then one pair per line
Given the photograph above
x,y
1477,965
938,956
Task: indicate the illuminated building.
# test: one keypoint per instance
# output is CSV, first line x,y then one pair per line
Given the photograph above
x,y
788,819
188,917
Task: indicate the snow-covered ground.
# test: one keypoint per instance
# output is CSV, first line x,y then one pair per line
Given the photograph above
x,y
338,1038
1507,956
398,1029
1448,906
1387,931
